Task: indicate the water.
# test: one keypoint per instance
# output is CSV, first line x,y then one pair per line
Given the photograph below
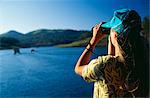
x,y
46,73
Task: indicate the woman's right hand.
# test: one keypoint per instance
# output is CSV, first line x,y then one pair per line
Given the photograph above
x,y
113,37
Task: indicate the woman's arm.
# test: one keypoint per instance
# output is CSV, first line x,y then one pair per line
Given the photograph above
x,y
85,57
111,48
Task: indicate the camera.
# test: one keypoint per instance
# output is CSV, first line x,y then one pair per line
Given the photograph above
x,y
103,30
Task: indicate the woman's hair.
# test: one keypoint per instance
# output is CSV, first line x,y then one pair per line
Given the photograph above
x,y
129,38
135,49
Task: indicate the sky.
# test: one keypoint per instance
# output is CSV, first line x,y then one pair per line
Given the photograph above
x,y
29,15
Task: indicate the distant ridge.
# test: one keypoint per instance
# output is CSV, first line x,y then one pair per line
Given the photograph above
x,y
13,34
46,37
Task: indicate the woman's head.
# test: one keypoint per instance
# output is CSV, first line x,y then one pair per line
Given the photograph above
x,y
125,29
126,23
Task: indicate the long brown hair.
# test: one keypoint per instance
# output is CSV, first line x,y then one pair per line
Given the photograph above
x,y
136,55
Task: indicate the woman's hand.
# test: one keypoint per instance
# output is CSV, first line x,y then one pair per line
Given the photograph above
x,y
111,48
97,34
113,37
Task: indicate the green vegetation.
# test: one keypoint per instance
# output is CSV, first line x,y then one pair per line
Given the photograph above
x,y
54,37
44,37
80,43
83,43
8,43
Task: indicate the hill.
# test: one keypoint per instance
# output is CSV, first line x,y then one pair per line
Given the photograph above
x,y
45,37
8,42
13,34
54,37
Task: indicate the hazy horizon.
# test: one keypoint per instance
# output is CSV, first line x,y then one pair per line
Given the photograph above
x,y
41,29
29,15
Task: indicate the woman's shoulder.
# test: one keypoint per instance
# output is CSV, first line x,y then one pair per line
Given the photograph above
x,y
108,59
111,61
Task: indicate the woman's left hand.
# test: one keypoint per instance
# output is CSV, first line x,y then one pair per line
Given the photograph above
x,y
97,34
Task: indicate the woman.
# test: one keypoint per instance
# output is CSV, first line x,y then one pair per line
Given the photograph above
x,y
119,73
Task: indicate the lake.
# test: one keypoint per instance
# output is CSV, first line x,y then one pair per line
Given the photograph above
x,y
46,73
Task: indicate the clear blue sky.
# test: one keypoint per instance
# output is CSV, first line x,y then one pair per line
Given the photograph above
x,y
28,15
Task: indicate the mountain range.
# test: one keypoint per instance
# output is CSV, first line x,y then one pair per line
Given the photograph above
x,y
45,37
